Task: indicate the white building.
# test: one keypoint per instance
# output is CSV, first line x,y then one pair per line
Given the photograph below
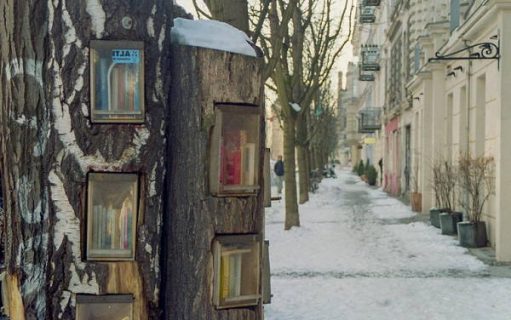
x,y
456,102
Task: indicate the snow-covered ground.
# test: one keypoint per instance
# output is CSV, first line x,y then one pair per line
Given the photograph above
x,y
353,258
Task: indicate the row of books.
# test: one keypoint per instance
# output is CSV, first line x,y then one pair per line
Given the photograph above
x,y
237,159
117,87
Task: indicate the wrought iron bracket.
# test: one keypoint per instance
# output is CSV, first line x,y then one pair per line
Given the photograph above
x,y
484,51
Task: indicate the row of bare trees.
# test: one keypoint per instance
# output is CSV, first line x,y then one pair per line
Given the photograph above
x,y
301,41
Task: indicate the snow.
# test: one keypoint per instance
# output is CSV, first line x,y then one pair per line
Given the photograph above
x,y
211,34
358,255
296,107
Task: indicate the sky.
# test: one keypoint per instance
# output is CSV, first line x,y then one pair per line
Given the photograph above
x,y
342,63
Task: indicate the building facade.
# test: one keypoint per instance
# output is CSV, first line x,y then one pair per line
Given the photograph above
x,y
442,87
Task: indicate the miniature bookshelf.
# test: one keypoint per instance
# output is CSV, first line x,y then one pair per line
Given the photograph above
x,y
234,162
117,81
106,307
237,271
111,216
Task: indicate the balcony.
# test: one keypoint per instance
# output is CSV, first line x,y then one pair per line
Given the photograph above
x,y
371,3
365,76
367,14
370,58
369,120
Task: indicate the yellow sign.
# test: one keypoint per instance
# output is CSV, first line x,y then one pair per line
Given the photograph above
x,y
370,140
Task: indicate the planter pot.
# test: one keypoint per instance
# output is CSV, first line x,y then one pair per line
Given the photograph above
x,y
471,234
434,218
416,201
449,222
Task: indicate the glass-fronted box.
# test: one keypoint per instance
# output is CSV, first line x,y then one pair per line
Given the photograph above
x,y
105,307
236,271
234,153
112,208
117,81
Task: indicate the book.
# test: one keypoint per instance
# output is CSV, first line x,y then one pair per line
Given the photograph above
x,y
235,275
231,158
248,164
224,277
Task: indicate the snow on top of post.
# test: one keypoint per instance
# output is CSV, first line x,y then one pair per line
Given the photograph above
x,y
211,34
296,107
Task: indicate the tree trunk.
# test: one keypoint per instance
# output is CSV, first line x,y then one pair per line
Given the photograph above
x,y
292,215
49,146
301,153
201,78
233,12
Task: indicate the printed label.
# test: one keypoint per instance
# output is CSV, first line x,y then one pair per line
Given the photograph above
x,y
126,56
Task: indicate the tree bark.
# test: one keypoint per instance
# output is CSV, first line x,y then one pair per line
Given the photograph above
x,y
301,154
233,12
292,215
201,78
49,145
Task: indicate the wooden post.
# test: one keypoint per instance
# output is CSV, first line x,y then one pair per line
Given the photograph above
x,y
201,78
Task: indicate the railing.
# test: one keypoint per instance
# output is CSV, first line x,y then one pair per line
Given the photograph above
x,y
371,3
370,57
369,120
367,15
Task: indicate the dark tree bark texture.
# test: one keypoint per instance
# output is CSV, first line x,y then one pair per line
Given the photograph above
x,y
49,145
202,77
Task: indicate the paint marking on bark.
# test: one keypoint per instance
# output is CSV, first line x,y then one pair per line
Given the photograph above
x,y
29,67
98,17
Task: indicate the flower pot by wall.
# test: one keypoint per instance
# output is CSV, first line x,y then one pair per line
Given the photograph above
x,y
472,234
449,222
434,218
416,201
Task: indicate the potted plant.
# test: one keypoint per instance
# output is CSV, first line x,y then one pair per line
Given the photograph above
x,y
476,183
372,175
449,218
436,184
444,186
360,168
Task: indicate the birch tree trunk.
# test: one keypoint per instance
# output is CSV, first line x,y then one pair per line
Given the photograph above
x,y
49,145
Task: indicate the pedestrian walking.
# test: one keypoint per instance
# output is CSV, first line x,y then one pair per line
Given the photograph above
x,y
279,172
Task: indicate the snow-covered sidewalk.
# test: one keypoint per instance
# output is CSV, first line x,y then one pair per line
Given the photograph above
x,y
353,258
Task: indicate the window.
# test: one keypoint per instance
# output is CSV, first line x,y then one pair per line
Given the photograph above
x,y
111,216
107,307
237,270
394,93
117,81
234,160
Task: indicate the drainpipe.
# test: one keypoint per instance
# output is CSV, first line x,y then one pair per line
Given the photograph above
x,y
467,150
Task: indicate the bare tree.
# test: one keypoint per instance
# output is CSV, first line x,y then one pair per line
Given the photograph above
x,y
305,52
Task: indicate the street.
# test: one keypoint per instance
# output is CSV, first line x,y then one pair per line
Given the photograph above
x,y
360,254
